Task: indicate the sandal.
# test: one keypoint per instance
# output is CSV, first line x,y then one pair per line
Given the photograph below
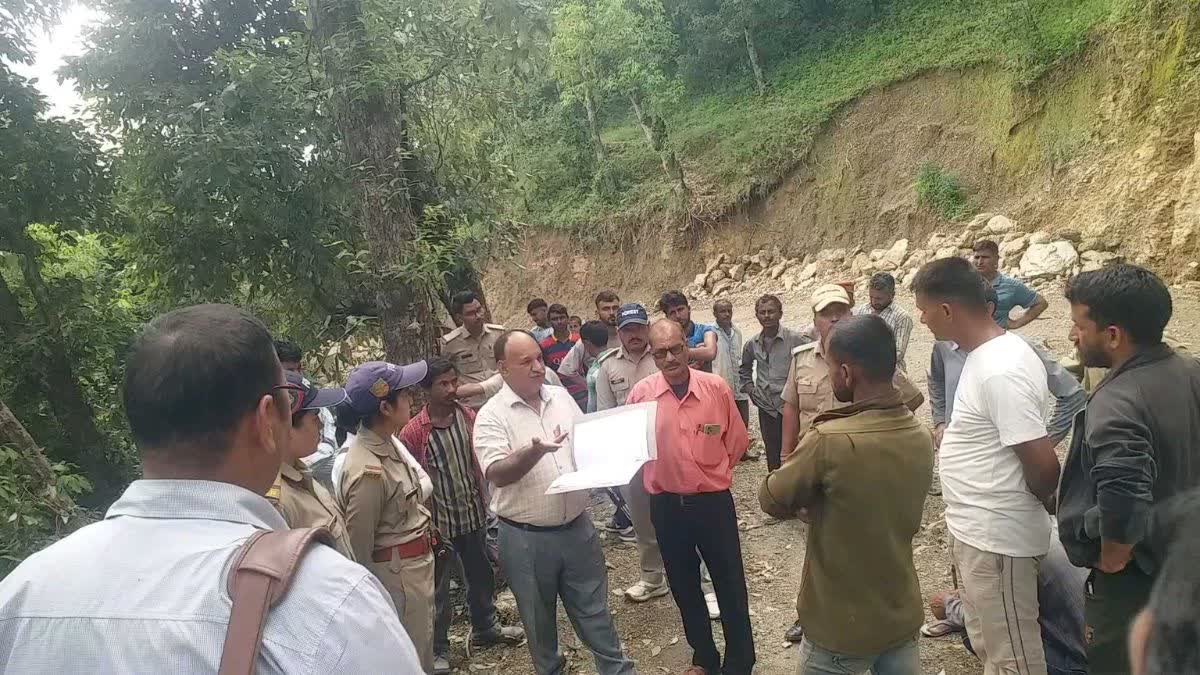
x,y
937,629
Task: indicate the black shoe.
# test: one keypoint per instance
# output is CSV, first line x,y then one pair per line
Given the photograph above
x,y
795,633
501,635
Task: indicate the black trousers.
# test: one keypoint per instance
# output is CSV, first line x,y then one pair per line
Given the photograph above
x,y
706,523
743,406
470,551
771,428
1110,605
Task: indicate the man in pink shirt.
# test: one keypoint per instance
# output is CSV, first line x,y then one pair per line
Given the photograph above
x,y
700,437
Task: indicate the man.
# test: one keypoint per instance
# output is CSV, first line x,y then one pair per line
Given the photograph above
x,y
807,392
145,589
618,373
729,354
575,323
538,314
700,438
998,468
469,348
764,371
1010,292
701,338
561,340
290,358
859,477
945,368
439,437
594,335
1060,612
1136,445
575,365
548,546
1163,638
882,296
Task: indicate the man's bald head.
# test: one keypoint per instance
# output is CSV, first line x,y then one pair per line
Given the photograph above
x,y
669,350
519,359
664,330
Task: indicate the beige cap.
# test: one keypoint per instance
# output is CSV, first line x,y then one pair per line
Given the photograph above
x,y
828,294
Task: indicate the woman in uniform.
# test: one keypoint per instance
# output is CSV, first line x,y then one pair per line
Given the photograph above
x,y
383,490
302,501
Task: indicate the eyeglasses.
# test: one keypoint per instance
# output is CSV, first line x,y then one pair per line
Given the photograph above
x,y
677,350
295,395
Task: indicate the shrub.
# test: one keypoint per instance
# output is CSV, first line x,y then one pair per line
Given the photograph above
x,y
939,190
33,515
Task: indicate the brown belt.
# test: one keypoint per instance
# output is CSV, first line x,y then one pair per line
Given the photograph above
x,y
409,549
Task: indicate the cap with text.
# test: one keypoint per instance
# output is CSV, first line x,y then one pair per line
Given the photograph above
x,y
313,397
374,381
632,313
829,294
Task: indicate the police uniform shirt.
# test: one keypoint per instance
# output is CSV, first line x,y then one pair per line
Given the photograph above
x,y
381,495
809,389
472,356
305,503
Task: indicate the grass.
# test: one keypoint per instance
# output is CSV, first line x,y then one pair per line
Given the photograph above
x,y
742,144
939,190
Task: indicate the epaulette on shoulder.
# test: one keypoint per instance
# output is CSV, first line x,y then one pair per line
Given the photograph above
x,y
457,332
804,347
274,492
495,326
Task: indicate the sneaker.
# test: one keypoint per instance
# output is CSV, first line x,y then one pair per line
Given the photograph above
x,y
441,664
642,591
501,635
627,535
714,610
795,633
612,526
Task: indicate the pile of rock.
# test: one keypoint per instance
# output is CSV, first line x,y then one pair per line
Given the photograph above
x,y
1039,257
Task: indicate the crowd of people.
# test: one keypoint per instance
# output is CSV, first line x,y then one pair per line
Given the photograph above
x,y
1084,567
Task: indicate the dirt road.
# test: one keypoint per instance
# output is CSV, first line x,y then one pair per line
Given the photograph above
x,y
774,553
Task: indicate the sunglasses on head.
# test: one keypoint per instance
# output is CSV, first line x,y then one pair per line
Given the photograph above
x,y
295,395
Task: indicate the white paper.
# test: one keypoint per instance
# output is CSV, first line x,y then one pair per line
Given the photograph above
x,y
609,447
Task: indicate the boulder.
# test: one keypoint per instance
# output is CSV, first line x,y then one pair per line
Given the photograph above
x,y
999,225
700,280
1097,244
946,252
877,254
778,270
1040,238
722,287
1070,235
737,272
897,254
938,240
1014,247
715,276
714,263
965,239
789,282
1102,257
766,258
809,271
832,255
980,221
1051,259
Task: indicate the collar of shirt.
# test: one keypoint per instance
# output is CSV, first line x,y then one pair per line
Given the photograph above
x,y
661,386
295,474
635,359
510,398
196,499
374,442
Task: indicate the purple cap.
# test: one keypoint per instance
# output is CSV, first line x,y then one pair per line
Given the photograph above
x,y
374,381
314,397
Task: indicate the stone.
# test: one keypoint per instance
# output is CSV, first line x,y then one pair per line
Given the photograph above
x,y
778,270
937,240
722,287
897,254
766,258
1014,247
1051,259
861,265
699,281
1040,238
999,225
980,221
809,271
714,263
877,254
1102,257
715,276
789,282
737,272
832,255
1070,235
965,239
1092,243
946,252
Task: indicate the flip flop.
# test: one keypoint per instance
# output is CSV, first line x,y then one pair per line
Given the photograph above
x,y
937,629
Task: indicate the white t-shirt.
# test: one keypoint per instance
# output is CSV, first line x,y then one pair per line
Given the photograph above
x,y
999,403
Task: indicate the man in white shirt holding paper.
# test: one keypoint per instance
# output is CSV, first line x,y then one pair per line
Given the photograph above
x,y
548,547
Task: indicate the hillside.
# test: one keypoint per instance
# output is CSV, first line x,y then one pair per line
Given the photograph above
x,y
1099,143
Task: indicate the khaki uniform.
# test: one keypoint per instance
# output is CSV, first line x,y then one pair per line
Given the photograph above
x,y
382,496
809,389
614,378
304,502
472,356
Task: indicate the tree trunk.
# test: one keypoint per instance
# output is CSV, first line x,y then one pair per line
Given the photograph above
x,y
654,128
372,122
589,105
70,406
641,119
14,435
759,83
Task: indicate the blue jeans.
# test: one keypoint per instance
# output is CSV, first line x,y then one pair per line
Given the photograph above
x,y
903,659
543,567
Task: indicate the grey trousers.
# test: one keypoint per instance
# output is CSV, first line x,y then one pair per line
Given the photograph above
x,y
638,501
469,552
543,567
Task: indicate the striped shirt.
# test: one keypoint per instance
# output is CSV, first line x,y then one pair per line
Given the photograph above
x,y
555,350
899,321
455,504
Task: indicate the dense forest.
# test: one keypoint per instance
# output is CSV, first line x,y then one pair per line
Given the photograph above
x,y
338,166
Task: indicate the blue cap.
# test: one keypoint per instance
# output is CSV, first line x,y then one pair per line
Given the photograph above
x,y
373,381
632,312
314,397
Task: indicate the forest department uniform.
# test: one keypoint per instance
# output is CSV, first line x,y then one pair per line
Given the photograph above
x,y
304,502
390,530
473,356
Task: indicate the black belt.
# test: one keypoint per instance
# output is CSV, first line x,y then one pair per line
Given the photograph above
x,y
539,528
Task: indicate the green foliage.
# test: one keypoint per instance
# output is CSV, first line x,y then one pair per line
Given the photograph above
x,y
32,514
939,190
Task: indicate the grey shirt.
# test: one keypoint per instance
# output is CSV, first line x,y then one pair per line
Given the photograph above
x,y
945,369
143,591
764,368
